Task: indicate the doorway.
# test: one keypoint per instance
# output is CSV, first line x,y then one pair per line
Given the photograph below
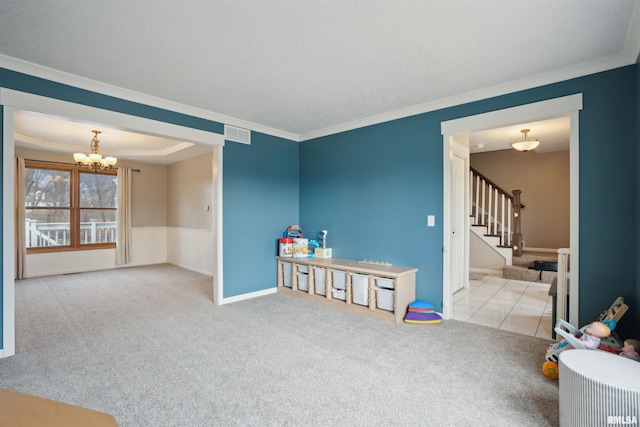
x,y
455,131
12,100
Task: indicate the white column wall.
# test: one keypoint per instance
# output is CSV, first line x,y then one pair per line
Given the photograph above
x,y
191,249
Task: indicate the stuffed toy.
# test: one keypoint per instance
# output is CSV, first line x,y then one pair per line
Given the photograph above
x,y
631,349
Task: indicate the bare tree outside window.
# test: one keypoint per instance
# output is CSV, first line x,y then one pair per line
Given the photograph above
x,y
67,208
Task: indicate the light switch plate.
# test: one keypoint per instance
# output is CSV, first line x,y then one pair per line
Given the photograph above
x,y
431,221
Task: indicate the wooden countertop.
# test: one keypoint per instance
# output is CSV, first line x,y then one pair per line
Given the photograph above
x,y
346,264
23,410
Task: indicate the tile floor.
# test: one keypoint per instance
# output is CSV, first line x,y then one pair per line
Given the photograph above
x,y
513,305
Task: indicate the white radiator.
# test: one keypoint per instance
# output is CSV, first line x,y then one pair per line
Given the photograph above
x,y
598,388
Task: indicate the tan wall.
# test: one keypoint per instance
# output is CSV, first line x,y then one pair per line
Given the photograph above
x,y
482,257
189,190
544,181
148,187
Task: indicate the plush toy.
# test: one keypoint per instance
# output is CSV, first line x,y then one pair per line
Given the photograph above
x,y
631,349
593,333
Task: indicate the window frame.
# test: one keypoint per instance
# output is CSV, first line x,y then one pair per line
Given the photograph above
x,y
74,208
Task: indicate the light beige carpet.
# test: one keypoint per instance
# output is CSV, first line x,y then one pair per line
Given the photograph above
x,y
148,346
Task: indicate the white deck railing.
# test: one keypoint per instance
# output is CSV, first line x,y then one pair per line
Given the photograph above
x,y
41,234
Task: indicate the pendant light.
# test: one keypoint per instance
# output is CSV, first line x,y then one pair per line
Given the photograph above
x,y
525,144
95,161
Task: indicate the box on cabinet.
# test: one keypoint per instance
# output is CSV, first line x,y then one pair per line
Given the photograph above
x,y
320,276
287,274
360,288
323,252
303,281
385,282
339,293
384,298
339,279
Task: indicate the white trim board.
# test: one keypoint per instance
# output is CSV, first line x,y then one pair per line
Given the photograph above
x,y
45,105
250,295
557,107
12,100
8,236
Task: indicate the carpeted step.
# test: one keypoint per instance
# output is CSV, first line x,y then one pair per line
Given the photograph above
x,y
528,258
520,273
526,274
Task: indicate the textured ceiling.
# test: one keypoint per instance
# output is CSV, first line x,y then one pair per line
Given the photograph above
x,y
307,68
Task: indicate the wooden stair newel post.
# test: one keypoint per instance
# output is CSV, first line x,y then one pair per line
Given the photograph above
x,y
517,236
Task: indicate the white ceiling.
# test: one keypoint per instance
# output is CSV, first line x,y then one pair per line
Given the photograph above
x,y
306,68
44,132
553,135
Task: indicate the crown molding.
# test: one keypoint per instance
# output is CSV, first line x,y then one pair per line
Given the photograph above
x,y
628,56
57,76
567,73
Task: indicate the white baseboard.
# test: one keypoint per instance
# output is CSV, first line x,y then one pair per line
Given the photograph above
x,y
250,295
191,268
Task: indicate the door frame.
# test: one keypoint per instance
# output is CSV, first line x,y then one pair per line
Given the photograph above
x,y
567,106
11,100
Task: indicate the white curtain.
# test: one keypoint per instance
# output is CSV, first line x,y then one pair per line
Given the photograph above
x,y
123,242
20,242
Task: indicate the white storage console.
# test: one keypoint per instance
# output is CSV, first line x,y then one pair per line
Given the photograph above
x,y
381,291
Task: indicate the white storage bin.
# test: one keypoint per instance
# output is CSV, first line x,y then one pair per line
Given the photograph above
x,y
303,268
339,293
385,282
303,281
320,276
287,274
339,278
384,298
360,288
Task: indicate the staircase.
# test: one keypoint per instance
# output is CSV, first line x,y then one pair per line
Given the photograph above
x,y
493,240
495,218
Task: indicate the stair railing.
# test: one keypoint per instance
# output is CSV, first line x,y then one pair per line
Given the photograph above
x,y
495,208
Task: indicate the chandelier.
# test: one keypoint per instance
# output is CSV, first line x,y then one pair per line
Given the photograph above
x,y
525,144
95,161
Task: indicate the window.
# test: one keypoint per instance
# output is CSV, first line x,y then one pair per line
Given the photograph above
x,y
69,208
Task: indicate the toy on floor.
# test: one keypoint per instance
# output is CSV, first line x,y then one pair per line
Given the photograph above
x,y
422,312
631,349
599,336
593,333
615,311
588,337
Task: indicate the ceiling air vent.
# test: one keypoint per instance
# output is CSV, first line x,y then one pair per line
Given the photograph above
x,y
232,133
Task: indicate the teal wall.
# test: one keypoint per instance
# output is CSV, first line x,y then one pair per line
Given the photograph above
x,y
260,202
373,188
